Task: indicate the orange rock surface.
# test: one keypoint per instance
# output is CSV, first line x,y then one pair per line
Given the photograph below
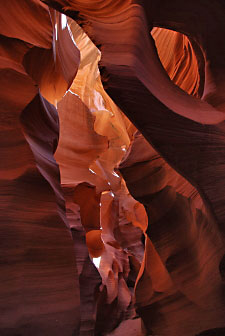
x,y
112,172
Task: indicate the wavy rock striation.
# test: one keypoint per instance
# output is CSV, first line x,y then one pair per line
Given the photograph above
x,y
158,240
186,130
39,284
179,281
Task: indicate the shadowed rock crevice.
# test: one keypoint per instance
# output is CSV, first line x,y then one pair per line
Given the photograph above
x,y
107,230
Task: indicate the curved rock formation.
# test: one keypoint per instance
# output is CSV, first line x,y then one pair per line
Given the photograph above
x,y
179,287
146,207
39,283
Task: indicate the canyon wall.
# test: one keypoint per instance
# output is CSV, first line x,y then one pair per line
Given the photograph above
x,y
112,171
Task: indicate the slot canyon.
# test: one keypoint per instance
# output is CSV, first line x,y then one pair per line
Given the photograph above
x,y
112,177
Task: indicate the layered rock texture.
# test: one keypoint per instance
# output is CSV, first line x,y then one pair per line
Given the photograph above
x,y
112,168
